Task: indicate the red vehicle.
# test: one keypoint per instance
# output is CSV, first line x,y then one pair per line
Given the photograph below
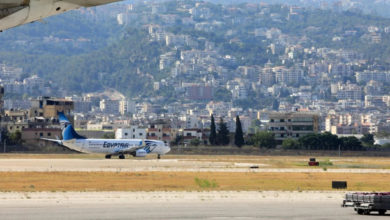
x,y
313,162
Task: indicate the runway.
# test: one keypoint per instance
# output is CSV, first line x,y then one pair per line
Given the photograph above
x,y
176,205
29,203
163,165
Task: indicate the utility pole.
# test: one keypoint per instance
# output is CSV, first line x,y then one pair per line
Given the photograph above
x,y
5,145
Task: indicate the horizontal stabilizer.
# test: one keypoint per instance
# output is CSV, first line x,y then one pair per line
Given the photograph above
x,y
52,140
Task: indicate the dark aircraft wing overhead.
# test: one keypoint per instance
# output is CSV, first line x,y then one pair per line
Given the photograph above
x,y
5,4
18,12
89,3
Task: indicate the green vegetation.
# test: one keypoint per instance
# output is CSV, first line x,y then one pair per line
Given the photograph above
x,y
89,53
290,143
110,135
14,138
367,140
264,139
324,141
213,132
67,34
326,163
223,133
222,94
195,142
205,184
125,65
239,135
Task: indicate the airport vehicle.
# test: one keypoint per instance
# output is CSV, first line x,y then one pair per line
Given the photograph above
x,y
313,162
17,12
110,147
365,203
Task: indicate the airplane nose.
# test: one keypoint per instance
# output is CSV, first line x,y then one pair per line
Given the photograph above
x,y
167,149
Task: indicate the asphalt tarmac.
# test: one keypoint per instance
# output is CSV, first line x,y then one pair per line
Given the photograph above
x,y
115,165
177,205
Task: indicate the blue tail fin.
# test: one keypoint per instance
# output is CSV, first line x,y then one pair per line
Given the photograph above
x,y
62,118
68,132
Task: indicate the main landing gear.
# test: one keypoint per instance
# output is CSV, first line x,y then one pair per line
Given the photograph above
x,y
108,156
158,156
121,156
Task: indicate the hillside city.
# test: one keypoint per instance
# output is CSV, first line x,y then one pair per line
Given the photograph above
x,y
285,70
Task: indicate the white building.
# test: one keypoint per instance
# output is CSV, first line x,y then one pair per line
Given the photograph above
x,y
349,92
288,76
239,92
109,106
126,106
134,132
190,121
166,60
366,76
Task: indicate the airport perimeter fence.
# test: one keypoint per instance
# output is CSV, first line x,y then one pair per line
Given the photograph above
x,y
207,150
271,152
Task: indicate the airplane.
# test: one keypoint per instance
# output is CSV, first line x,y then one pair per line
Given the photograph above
x,y
110,147
17,12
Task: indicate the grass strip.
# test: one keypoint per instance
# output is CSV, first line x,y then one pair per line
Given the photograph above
x,y
186,181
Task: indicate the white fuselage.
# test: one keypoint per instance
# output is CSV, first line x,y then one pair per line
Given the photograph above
x,y
116,146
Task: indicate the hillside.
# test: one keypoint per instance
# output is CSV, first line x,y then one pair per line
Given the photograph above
x,y
85,54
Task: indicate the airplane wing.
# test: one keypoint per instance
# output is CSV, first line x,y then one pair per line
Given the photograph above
x,y
18,12
128,150
90,3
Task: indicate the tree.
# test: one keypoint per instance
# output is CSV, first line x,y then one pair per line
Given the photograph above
x,y
238,136
385,146
290,143
255,126
223,133
264,139
222,94
213,133
309,142
382,134
177,140
15,137
350,143
328,141
368,139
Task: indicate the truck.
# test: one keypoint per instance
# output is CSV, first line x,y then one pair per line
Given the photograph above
x,y
365,203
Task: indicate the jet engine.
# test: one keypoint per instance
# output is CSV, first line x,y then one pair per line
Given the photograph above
x,y
140,153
